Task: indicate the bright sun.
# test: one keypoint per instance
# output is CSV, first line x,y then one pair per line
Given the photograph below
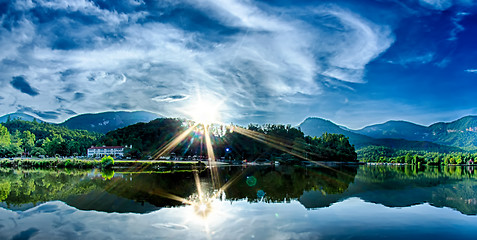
x,y
204,112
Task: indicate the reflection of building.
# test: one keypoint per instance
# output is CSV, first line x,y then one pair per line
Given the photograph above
x,y
114,151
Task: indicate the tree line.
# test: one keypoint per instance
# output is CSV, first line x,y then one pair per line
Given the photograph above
x,y
268,142
381,154
18,137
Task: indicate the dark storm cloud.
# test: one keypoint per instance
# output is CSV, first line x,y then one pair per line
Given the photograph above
x,y
21,84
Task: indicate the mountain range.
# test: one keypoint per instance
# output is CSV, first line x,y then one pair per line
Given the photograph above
x,y
17,115
450,136
94,122
108,121
461,133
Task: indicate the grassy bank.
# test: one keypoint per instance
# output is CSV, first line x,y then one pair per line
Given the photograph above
x,y
90,164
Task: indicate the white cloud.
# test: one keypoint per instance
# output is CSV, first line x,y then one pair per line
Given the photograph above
x,y
442,5
416,59
351,49
272,56
471,70
457,26
436,4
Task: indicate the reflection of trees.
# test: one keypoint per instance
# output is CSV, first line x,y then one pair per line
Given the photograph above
x,y
396,186
272,185
285,183
399,186
5,188
21,186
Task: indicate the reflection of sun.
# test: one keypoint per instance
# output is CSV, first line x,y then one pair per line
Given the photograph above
x,y
204,112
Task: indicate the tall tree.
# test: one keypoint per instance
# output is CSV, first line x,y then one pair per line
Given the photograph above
x,y
28,140
4,136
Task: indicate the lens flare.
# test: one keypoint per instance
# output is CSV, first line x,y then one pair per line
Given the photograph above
x,y
204,112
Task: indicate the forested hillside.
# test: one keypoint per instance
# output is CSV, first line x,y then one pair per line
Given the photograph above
x,y
256,142
19,137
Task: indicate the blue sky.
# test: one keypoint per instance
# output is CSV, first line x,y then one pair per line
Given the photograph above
x,y
353,62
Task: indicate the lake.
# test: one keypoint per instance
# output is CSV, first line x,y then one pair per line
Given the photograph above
x,y
254,202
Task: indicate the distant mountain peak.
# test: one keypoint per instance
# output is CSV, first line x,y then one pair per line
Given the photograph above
x,y
107,121
18,115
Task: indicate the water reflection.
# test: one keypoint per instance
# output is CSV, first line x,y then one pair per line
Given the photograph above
x,y
143,192
396,186
261,202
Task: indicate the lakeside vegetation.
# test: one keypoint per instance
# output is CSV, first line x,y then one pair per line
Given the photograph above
x,y
105,163
379,154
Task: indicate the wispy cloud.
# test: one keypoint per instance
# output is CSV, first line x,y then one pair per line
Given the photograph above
x,y
436,4
170,98
258,59
98,58
414,59
471,70
457,26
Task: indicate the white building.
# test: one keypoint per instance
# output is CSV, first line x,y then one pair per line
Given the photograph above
x,y
114,151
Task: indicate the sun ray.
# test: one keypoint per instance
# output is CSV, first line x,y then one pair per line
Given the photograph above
x,y
173,143
229,183
211,158
274,142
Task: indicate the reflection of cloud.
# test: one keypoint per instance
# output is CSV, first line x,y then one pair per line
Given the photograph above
x,y
237,220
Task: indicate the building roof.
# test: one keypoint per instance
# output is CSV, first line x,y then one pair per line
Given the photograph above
x,y
106,147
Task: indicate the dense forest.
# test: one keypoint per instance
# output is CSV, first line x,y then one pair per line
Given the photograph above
x,y
389,155
18,137
273,142
254,143
257,142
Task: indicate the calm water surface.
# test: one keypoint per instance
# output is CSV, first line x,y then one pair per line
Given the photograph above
x,y
366,202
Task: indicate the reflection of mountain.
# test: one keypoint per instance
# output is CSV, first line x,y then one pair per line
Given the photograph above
x,y
405,186
99,200
318,187
453,187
